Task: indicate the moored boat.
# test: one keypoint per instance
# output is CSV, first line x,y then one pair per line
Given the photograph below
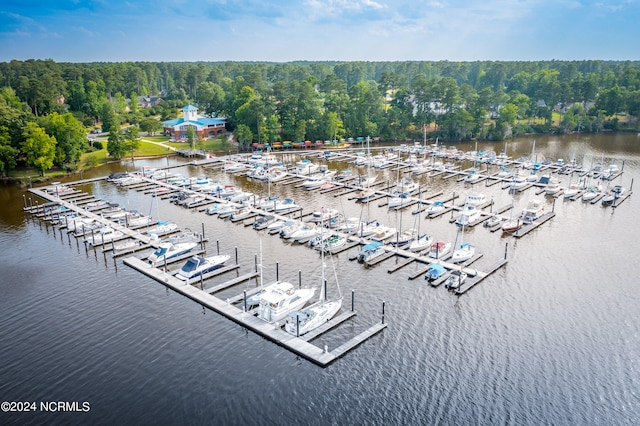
x,y
197,266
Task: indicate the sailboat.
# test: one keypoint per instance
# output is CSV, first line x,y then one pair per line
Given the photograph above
x,y
424,241
464,252
303,321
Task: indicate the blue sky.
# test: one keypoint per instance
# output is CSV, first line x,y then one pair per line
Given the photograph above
x,y
287,30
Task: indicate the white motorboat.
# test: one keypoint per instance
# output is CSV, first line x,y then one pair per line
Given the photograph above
x,y
439,249
371,251
304,233
289,228
162,227
472,176
325,215
552,187
456,279
277,173
286,205
518,183
406,185
227,210
533,211
365,195
105,235
168,251
492,221
468,215
335,241
306,167
464,253
382,233
434,272
612,195
276,304
367,228
231,166
475,199
591,192
435,207
214,209
241,213
197,266
399,201
350,225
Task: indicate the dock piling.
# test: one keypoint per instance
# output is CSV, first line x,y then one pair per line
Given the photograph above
x,y
218,247
297,324
244,298
255,261
299,278
383,312
277,271
236,255
202,223
352,300
506,245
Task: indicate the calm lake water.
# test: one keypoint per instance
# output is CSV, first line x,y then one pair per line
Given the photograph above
x,y
552,338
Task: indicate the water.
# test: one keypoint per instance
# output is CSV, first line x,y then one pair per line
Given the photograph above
x,y
552,338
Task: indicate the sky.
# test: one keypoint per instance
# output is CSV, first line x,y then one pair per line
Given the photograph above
x,y
319,30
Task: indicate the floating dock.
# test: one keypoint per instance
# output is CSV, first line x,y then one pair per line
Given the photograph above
x,y
272,332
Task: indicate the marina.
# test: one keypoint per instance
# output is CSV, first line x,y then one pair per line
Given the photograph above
x,y
514,315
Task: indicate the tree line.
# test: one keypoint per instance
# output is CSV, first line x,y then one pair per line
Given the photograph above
x,y
48,104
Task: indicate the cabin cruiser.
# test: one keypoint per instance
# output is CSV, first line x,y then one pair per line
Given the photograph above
x,y
106,234
436,207
612,195
468,215
371,251
533,211
168,251
276,304
197,266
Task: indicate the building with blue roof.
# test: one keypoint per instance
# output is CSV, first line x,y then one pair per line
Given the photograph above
x,y
205,127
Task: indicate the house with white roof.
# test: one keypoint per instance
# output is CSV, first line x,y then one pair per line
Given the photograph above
x,y
204,127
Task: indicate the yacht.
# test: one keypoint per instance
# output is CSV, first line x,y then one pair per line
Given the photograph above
x,y
276,304
306,167
197,266
168,251
304,233
105,235
468,215
533,211
475,199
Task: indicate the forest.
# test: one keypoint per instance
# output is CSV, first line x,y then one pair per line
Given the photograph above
x,y
47,108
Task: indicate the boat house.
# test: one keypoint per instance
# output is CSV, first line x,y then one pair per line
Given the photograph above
x,y
204,127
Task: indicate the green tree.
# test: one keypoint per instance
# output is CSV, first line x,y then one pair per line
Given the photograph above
x,y
191,137
8,153
150,125
70,135
243,135
38,147
131,139
116,145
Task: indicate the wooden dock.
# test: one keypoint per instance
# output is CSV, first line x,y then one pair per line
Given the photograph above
x,y
272,332
531,226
